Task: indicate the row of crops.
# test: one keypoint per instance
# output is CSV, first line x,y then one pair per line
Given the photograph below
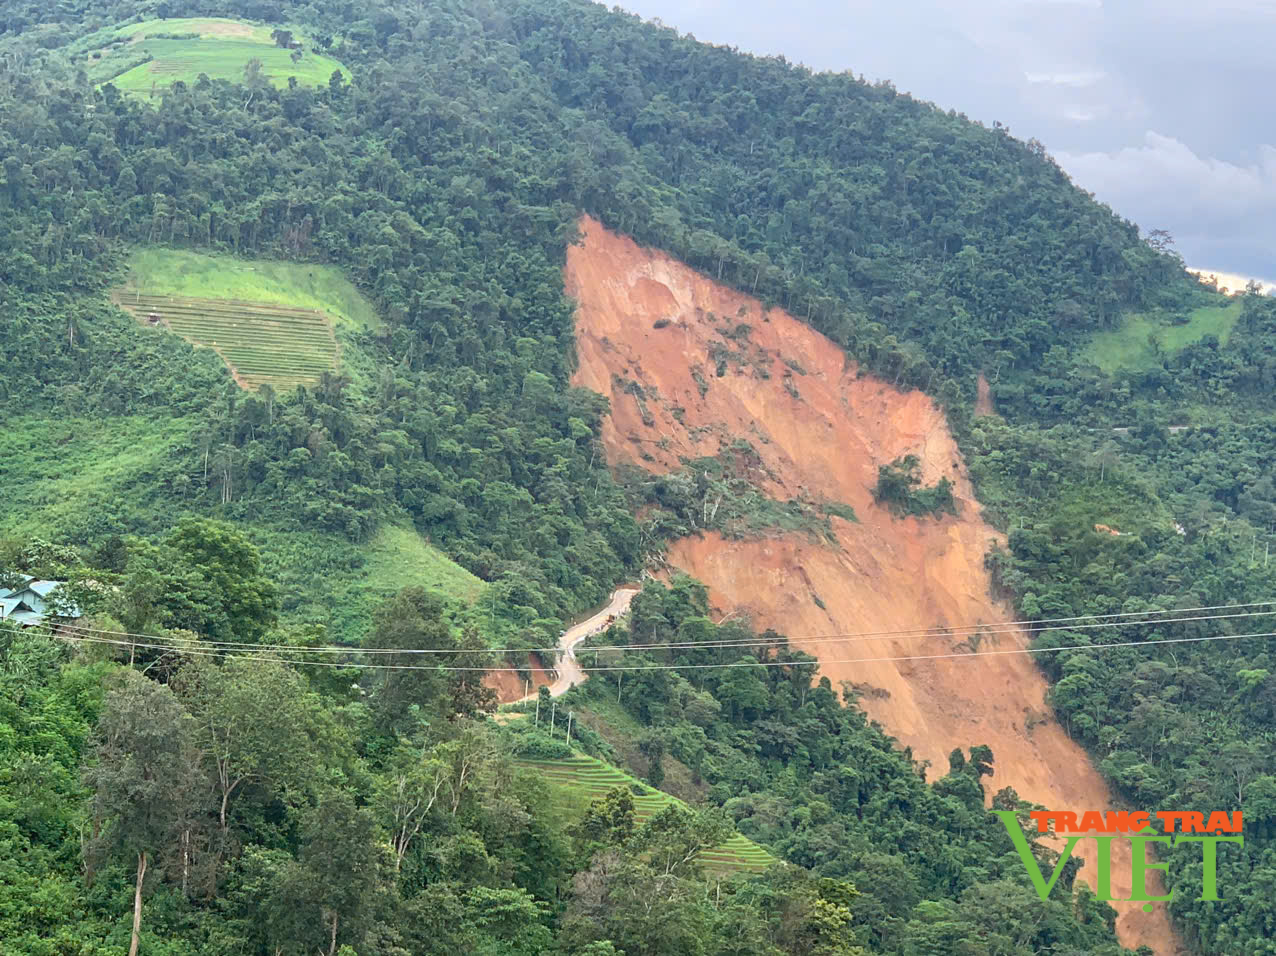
x,y
262,344
592,778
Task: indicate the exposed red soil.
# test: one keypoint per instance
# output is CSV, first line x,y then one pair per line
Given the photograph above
x,y
983,397
822,430
511,687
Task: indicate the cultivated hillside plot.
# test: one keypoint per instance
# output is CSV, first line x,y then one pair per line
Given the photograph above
x,y
147,58
261,344
822,430
1141,342
591,778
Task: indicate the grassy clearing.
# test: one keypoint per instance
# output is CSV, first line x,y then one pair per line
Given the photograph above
x,y
72,477
330,582
582,778
1129,346
399,557
146,58
1115,502
160,271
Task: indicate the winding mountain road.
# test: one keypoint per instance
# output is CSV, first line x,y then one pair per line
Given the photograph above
x,y
569,669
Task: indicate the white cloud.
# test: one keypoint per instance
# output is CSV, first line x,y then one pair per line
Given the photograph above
x,y
1078,79
1167,171
1220,212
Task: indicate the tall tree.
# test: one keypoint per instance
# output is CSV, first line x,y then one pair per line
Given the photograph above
x,y
258,724
137,771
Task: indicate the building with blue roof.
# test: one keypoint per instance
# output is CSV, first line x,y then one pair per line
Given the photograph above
x,y
28,603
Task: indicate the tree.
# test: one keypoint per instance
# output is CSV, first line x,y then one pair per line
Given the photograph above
x,y
652,746
254,77
257,724
247,601
1106,457
1161,240
414,620
610,819
406,795
137,770
339,883
282,38
467,761
674,836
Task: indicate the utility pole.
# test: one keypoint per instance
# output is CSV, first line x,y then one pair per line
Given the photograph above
x,y
538,710
570,715
620,676
553,708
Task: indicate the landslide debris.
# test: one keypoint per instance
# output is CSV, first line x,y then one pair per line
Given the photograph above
x,y
691,366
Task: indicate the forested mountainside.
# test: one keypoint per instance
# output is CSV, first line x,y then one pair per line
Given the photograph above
x,y
443,169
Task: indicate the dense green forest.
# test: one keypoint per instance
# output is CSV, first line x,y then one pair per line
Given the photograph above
x,y
265,809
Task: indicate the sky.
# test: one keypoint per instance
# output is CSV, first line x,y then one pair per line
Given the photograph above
x,y
1163,110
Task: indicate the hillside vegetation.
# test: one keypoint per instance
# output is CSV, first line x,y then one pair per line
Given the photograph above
x,y
444,178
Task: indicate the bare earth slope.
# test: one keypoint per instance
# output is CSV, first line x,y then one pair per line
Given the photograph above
x,y
822,431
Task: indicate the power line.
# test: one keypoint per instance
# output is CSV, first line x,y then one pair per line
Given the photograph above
x,y
951,631
953,655
956,655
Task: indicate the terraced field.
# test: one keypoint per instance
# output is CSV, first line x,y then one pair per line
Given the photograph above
x,y
260,343
147,58
592,778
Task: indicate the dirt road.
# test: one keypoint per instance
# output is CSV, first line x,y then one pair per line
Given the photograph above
x,y
569,669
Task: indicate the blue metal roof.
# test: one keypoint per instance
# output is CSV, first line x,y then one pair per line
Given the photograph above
x,y
26,605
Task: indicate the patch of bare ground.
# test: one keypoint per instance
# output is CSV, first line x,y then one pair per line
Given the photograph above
x,y
510,686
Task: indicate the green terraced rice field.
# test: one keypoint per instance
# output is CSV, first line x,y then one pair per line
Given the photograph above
x,y
298,285
260,343
591,778
182,49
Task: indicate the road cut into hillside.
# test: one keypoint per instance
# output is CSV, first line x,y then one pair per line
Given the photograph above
x,y
513,689
666,345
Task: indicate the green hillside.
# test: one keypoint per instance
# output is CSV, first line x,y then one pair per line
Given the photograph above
x,y
65,475
446,491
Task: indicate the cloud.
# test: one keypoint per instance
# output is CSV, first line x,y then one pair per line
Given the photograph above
x,y
1215,208
1231,282
1080,78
